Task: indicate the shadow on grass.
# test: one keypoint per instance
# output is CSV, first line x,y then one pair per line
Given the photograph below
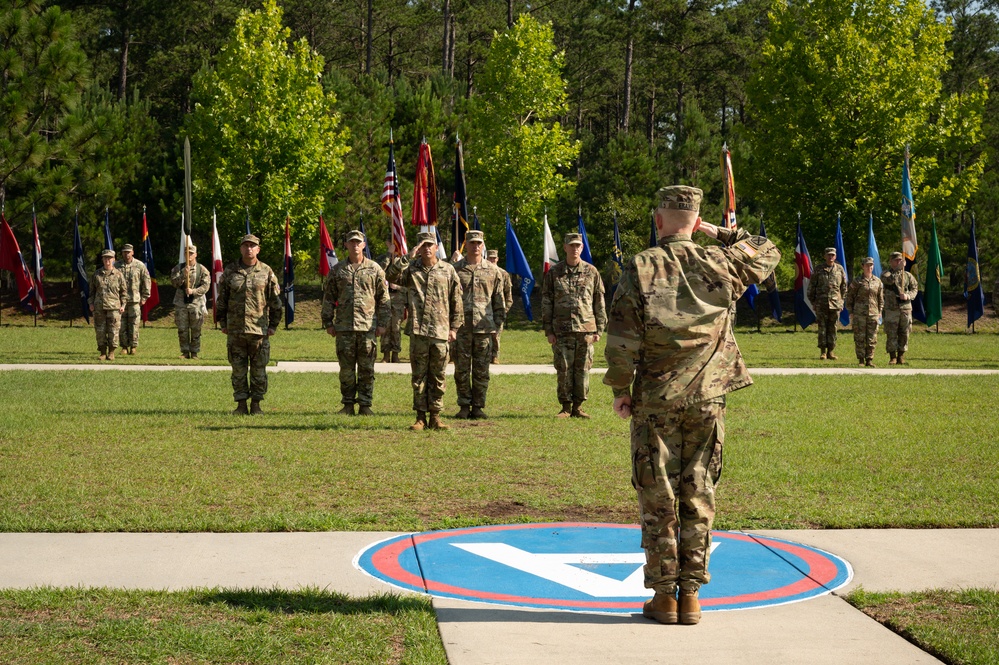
x,y
477,615
311,601
318,427
141,412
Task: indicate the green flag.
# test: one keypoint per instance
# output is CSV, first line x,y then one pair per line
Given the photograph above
x,y
934,273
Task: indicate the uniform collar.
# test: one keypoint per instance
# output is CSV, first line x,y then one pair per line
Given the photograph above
x,y
678,237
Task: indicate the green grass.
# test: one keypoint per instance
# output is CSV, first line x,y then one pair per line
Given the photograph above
x,y
958,627
89,451
215,626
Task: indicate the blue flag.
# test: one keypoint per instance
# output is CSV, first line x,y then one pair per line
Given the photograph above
x,y
749,295
973,281
653,234
872,246
586,256
80,268
844,316
475,221
617,257
108,243
516,264
367,245
770,284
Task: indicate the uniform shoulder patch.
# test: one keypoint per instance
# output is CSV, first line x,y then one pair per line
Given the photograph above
x,y
746,248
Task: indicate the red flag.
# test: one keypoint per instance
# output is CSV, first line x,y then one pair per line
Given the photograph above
x,y
393,207
39,272
147,258
217,267
11,259
327,253
425,189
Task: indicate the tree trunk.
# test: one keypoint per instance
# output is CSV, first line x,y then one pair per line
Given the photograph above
x,y
509,13
390,55
652,117
446,49
628,57
369,34
450,54
126,37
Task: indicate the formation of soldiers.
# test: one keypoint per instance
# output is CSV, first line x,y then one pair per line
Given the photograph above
x,y
117,292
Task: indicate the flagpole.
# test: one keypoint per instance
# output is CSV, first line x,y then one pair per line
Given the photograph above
x,y
34,250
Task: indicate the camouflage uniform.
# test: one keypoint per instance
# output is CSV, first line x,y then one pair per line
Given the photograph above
x,y
898,313
572,309
189,311
508,304
484,313
670,346
391,341
137,289
435,308
826,291
355,304
107,297
864,301
249,304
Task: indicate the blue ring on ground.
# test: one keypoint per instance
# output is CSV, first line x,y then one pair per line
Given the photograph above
x,y
592,567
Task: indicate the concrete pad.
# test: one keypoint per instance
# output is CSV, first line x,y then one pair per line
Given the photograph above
x,y
909,559
173,561
825,630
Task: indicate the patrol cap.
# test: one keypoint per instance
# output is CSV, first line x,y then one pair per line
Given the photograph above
x,y
474,236
492,254
829,250
355,235
249,237
868,261
127,248
426,237
573,239
680,197
107,254
896,255
191,249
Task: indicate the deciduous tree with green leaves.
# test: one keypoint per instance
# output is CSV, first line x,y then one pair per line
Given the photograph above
x,y
518,151
839,90
265,135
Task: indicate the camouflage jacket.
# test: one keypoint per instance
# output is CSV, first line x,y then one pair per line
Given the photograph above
x,y
107,289
355,297
434,297
482,293
670,329
572,299
507,289
866,296
137,281
249,299
896,284
383,261
201,281
827,288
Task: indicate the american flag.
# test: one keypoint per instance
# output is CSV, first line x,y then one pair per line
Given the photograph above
x,y
728,210
392,206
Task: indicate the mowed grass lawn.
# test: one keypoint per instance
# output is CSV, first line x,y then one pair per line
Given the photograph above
x,y
157,451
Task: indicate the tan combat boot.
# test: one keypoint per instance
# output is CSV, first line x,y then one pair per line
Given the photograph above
x,y
566,411
240,409
131,351
661,608
435,421
900,361
104,354
365,411
347,410
194,356
831,355
421,422
690,608
578,412
386,357
870,362
822,356
110,355
395,356
462,413
255,407
893,360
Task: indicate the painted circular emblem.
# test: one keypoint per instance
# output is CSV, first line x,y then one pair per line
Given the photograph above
x,y
592,567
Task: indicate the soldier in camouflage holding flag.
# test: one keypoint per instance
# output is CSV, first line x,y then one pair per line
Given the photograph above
x,y
900,290
192,281
672,358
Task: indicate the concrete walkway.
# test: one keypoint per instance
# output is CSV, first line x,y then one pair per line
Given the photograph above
x,y
822,630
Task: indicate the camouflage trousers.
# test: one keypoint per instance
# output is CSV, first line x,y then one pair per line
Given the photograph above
x,y
827,320
107,323
392,338
131,323
248,355
676,463
865,336
189,320
573,360
428,360
496,341
472,354
356,352
898,324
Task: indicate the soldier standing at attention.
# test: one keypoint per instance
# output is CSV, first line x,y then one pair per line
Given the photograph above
x,y
192,281
392,339
671,359
484,313
435,314
864,301
250,308
356,312
900,289
574,316
826,292
493,256
107,302
137,288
